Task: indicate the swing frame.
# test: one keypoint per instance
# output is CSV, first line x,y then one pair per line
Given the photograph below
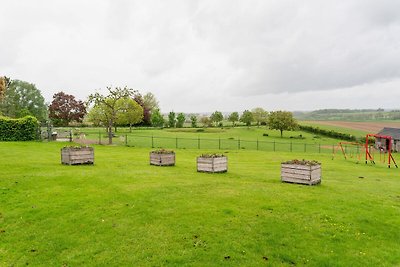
x,y
368,155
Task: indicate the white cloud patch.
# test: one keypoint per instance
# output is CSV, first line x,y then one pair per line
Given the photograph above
x,y
208,55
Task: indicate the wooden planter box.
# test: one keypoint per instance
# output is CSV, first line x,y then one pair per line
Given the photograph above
x,y
162,159
74,156
301,174
217,164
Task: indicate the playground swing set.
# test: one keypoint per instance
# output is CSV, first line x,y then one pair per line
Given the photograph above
x,y
353,149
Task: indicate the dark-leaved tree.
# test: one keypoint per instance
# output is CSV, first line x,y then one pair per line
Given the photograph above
x,y
65,109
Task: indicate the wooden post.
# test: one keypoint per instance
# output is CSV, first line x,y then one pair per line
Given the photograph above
x,y
257,143
274,146
198,142
126,139
152,141
219,143
239,143
176,142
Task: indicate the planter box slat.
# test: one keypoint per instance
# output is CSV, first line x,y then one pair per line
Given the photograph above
x,y
75,156
219,164
301,174
159,159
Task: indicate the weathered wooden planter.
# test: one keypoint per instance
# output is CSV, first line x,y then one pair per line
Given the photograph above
x,y
77,155
212,163
162,158
301,172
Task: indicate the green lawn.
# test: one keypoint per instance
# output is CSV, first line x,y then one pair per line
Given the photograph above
x,y
124,212
252,138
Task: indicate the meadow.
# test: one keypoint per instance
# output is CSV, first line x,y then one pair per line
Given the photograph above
x,y
123,212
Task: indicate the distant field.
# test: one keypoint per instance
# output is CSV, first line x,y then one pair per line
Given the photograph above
x,y
359,127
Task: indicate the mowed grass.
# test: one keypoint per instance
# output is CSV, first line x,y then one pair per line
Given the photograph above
x,y
124,212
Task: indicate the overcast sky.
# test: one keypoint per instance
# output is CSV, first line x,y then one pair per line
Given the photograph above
x,y
211,55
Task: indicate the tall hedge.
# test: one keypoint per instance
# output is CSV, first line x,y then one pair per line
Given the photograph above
x,y
328,133
23,129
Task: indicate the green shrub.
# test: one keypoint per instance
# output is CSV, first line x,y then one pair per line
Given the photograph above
x,y
23,129
328,133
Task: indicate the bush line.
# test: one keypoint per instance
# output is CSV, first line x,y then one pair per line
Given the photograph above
x,y
22,129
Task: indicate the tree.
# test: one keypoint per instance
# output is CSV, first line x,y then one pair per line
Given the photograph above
x,y
216,117
156,118
2,87
107,108
247,117
171,119
205,121
282,120
65,108
260,115
146,111
233,117
180,120
23,98
150,102
130,112
193,120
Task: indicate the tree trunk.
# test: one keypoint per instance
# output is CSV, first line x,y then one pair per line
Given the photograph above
x,y
110,127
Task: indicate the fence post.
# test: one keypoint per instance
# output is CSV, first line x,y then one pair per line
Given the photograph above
x,y
126,139
176,142
257,143
274,146
99,137
239,143
70,135
219,143
152,141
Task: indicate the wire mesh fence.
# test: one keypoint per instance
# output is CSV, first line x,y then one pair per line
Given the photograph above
x,y
152,141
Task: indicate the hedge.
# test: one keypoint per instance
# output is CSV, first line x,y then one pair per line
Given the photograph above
x,y
23,129
328,133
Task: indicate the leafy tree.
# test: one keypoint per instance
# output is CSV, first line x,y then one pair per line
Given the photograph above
x,y
193,120
205,121
282,121
130,112
216,117
171,119
180,120
150,101
106,107
260,115
247,117
23,98
233,117
146,110
157,119
2,87
65,108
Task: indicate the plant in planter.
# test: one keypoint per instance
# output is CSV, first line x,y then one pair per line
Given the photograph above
x,y
301,172
212,163
162,157
74,155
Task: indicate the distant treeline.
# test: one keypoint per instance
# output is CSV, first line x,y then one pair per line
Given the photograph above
x,y
349,114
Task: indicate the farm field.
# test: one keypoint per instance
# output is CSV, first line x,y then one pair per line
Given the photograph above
x,y
356,128
122,211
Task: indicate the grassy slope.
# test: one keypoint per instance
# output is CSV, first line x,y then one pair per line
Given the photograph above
x,y
121,211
